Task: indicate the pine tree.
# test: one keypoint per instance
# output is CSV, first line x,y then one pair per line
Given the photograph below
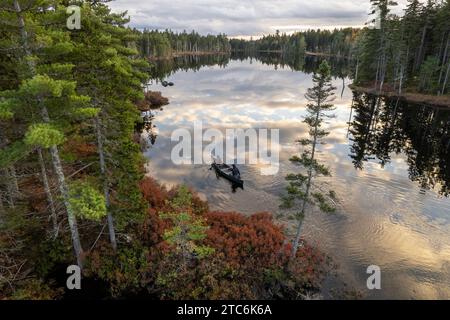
x,y
302,187
188,229
47,100
106,67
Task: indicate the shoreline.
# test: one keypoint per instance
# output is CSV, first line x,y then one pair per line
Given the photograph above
x,y
416,98
178,54
411,97
307,53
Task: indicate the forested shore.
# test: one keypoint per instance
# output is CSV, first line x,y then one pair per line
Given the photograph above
x,y
154,44
74,190
417,98
407,54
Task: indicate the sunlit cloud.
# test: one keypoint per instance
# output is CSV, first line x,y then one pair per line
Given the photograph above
x,y
246,18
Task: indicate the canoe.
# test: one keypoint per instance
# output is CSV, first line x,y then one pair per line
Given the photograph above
x,y
165,83
221,170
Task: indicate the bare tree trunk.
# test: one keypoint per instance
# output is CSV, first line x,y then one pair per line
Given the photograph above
x,y
14,182
422,42
112,233
400,85
444,61
9,188
53,149
70,216
377,73
382,71
2,208
446,78
48,193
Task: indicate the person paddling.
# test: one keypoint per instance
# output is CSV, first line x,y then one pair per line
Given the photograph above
x,y
235,171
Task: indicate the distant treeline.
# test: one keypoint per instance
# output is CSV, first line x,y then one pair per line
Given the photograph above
x,y
154,43
410,51
336,42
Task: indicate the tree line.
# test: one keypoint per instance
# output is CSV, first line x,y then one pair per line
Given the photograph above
x,y
412,50
154,43
338,42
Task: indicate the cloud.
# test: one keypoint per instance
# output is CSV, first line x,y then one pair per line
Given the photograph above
x,y
244,18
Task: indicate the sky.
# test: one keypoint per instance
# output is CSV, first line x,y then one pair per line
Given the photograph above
x,y
245,18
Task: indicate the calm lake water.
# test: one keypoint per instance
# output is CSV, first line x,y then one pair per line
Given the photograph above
x,y
390,163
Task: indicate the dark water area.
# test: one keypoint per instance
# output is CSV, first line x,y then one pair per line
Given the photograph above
x,y
390,162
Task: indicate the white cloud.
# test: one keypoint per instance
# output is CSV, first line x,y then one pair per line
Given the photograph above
x,y
245,18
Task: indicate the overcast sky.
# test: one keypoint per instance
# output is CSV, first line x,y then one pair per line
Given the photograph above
x,y
244,18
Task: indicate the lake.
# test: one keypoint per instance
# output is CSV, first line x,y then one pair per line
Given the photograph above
x,y
390,163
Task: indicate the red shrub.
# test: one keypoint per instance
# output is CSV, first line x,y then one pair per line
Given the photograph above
x,y
250,261
152,100
257,246
155,194
246,241
152,229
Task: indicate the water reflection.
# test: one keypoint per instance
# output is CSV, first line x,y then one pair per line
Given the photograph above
x,y
164,68
148,128
308,64
384,126
382,155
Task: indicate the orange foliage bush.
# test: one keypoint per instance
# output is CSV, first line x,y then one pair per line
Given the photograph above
x,y
257,246
152,229
250,258
152,100
155,194
247,241
158,196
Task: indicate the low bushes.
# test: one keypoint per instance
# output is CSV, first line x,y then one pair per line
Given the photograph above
x,y
183,251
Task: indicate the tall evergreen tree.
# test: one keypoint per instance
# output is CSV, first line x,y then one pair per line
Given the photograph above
x,y
302,188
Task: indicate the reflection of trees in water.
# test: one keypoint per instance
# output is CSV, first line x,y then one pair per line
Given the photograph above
x,y
340,68
164,68
308,64
277,60
147,126
381,126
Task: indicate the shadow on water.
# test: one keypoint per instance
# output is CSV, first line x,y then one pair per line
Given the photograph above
x,y
382,127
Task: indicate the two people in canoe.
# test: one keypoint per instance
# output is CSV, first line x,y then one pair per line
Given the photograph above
x,y
225,169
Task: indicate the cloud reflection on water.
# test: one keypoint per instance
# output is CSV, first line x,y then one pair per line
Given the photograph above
x,y
386,219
